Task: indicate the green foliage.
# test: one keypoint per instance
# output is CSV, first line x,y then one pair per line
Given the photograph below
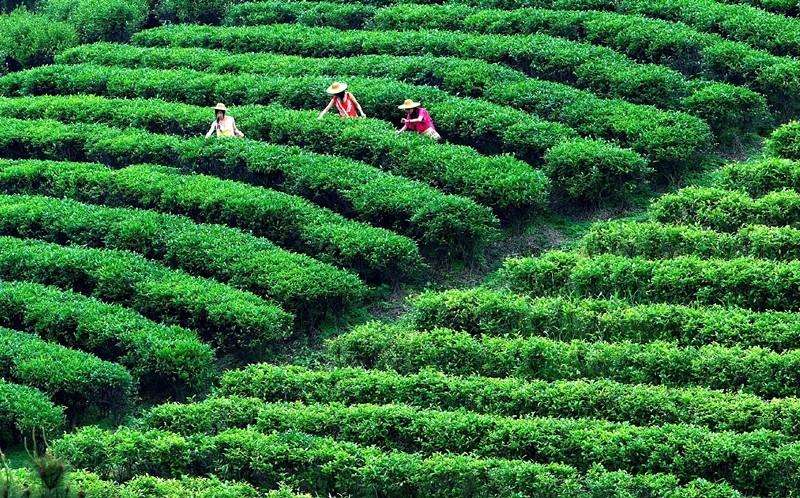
x,y
656,240
404,350
227,317
784,141
727,210
324,466
164,359
288,220
671,140
193,11
684,451
483,311
759,177
28,39
354,188
756,284
299,283
603,399
24,410
81,382
99,20
500,182
596,173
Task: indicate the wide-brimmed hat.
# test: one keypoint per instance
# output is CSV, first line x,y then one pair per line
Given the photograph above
x,y
336,87
408,104
220,107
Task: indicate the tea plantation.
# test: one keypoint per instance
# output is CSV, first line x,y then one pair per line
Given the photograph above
x,y
588,288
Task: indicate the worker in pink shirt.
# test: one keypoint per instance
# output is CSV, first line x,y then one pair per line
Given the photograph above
x,y
344,101
417,119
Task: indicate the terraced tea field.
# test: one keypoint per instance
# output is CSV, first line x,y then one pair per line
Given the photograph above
x,y
590,287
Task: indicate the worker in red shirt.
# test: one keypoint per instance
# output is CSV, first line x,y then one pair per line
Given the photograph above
x,y
345,103
417,119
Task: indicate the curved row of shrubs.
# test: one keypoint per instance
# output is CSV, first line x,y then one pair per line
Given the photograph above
x,y
350,187
496,313
760,177
163,358
25,411
299,283
599,69
637,404
757,284
88,485
657,240
222,315
785,141
291,221
86,385
405,350
727,210
641,38
671,140
323,467
500,182
754,463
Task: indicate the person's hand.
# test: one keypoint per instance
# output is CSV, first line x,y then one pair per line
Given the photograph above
x,y
403,120
398,131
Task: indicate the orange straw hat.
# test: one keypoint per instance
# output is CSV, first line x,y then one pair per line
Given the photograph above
x,y
220,107
408,104
336,87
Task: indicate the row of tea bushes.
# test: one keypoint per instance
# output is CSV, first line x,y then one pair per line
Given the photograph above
x,y
353,188
637,404
670,140
299,283
727,210
684,451
495,313
162,358
756,284
405,350
230,318
658,240
288,220
25,410
500,182
598,69
324,466
81,382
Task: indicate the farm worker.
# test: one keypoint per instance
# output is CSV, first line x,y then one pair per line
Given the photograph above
x,y
345,103
223,125
417,119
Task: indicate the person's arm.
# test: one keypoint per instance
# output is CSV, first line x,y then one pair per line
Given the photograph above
x,y
358,106
236,132
401,130
211,130
327,108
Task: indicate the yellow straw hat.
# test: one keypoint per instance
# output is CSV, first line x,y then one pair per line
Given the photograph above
x,y
408,104
220,107
336,87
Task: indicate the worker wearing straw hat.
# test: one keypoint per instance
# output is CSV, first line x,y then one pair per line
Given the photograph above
x,y
345,103
417,119
223,125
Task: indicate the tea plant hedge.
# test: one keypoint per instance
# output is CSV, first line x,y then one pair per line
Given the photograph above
x,y
756,284
162,358
25,410
390,347
497,313
226,317
76,380
299,283
347,186
637,404
671,140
